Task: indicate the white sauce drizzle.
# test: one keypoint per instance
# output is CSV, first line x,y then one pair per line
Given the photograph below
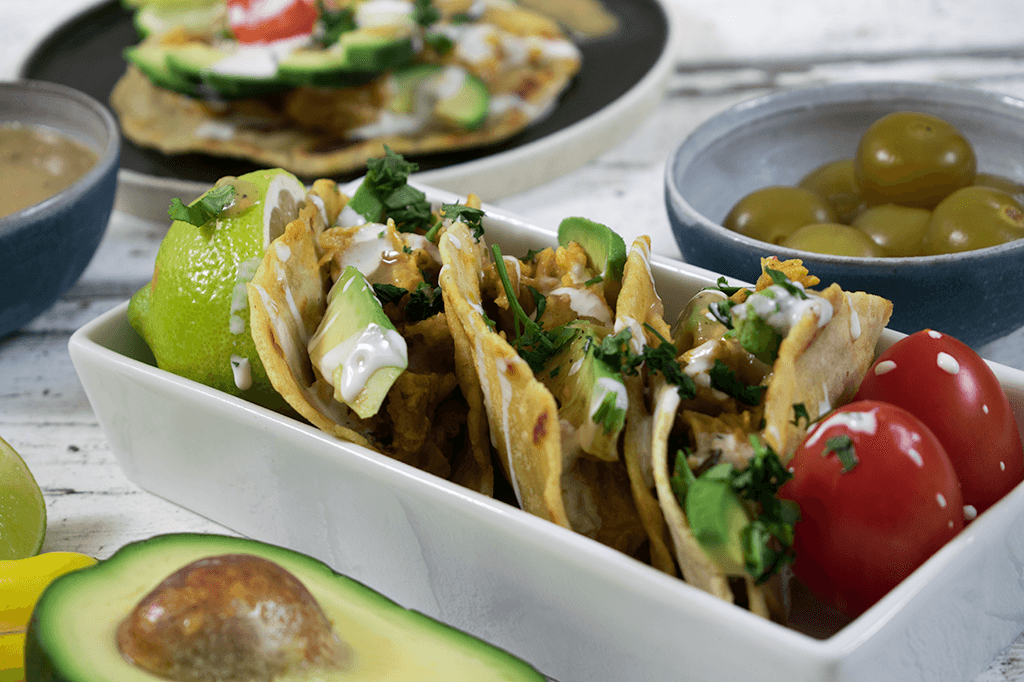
x,y
384,13
854,318
934,334
637,339
242,371
947,363
941,500
349,218
586,303
859,422
244,273
782,310
970,513
884,367
360,355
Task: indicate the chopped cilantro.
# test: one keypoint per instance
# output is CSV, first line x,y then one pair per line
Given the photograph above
x,y
461,18
722,312
616,351
471,217
768,540
205,208
389,293
594,280
531,255
842,447
424,13
439,42
725,380
387,180
407,249
540,301
534,343
335,22
779,278
800,412
426,301
724,287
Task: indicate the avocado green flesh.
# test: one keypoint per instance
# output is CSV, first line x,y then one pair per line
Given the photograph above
x,y
152,61
157,19
71,637
580,383
604,247
466,108
352,306
717,517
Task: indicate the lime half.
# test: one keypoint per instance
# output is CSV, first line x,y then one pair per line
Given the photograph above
x,y
22,510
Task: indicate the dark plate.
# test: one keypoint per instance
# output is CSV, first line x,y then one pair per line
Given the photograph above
x,y
85,53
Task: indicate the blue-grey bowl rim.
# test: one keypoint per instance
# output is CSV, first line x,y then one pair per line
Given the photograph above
x,y
808,97
109,154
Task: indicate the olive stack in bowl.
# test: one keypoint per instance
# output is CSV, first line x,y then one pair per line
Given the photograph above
x,y
907,190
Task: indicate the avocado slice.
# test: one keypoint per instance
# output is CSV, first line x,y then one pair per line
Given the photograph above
x,y
156,19
356,347
454,96
356,58
717,518
202,63
72,636
605,249
590,392
152,61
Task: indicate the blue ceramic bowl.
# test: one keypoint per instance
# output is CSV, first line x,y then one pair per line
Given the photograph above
x,y
45,247
777,139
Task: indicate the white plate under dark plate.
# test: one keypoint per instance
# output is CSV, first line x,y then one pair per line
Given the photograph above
x,y
622,78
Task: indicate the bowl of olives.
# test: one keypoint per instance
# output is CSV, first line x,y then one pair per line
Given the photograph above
x,y
912,191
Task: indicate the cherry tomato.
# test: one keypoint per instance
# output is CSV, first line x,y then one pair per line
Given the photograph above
x,y
264,21
877,497
949,387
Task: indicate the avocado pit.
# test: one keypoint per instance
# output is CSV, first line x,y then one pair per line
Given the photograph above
x,y
232,617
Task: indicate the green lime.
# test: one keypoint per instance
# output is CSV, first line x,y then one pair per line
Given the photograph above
x,y
194,313
22,509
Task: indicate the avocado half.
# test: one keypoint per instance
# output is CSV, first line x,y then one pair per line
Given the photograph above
x,y
72,634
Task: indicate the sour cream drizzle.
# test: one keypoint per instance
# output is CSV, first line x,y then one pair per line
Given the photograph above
x,y
360,355
860,422
585,303
781,310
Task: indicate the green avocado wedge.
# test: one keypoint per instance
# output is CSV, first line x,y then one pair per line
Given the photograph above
x,y
72,636
605,249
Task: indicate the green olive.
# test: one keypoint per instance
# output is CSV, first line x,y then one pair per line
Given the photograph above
x,y
773,213
898,230
973,218
833,238
913,159
1011,187
836,183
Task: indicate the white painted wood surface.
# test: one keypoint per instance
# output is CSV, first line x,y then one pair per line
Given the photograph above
x,y
731,50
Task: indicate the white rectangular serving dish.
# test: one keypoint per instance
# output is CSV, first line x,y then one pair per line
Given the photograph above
x,y
576,610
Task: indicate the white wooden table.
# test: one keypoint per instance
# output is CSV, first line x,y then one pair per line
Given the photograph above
x,y
731,50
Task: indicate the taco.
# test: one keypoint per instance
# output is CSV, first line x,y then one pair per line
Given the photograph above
x,y
419,77
764,365
347,319
533,330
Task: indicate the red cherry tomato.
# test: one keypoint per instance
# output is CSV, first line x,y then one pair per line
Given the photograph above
x,y
945,384
872,513
264,21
